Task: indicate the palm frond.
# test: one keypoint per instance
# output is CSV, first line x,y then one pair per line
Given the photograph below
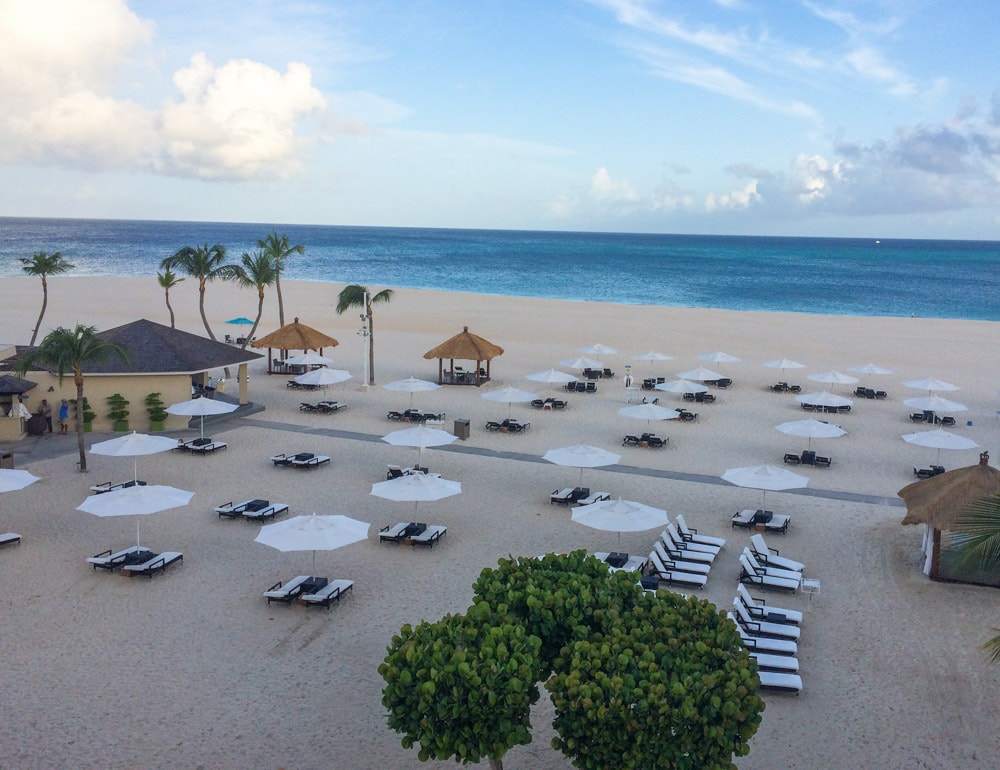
x,y
977,532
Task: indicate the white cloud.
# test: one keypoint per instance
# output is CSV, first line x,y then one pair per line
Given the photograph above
x,y
236,121
607,190
734,200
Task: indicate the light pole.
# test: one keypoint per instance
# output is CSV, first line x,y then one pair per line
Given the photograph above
x,y
363,332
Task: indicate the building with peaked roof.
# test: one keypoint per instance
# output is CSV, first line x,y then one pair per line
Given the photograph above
x,y
169,362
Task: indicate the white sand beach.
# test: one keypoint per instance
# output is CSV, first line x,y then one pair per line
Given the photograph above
x,y
193,669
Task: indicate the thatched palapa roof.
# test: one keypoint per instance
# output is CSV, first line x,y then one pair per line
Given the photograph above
x,y
296,336
942,499
466,346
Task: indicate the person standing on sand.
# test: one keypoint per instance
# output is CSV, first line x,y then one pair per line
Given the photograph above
x,y
63,416
46,411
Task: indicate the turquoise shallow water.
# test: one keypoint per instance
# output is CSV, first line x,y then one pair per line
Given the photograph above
x,y
928,278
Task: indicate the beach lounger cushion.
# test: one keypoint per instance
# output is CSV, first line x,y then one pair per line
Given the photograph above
x,y
771,557
764,627
760,609
693,536
671,576
675,560
285,592
265,512
10,537
331,592
156,563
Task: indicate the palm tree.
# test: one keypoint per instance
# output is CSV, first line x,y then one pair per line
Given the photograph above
x,y
278,249
206,263
258,271
168,279
44,265
359,296
979,528
69,350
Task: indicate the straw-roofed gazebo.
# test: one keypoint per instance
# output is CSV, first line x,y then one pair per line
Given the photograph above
x,y
294,336
939,502
464,346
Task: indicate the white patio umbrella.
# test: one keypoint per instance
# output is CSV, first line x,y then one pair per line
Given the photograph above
x,y
597,349
313,533
939,439
700,374
510,396
652,355
552,377
719,358
870,369
411,385
810,429
136,501
419,437
323,377
823,398
620,516
200,407
681,386
935,404
582,363
132,445
416,488
581,456
649,412
931,384
309,358
834,378
12,480
765,477
783,363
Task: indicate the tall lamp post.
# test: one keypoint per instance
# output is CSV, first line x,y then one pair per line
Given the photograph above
x,y
364,332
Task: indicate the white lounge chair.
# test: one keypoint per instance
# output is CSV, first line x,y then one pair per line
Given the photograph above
x,y
784,664
112,561
777,522
673,543
267,512
751,575
285,592
670,576
678,562
233,510
764,627
594,497
771,680
331,592
10,537
788,574
760,610
429,536
691,535
764,644
771,557
680,542
158,562
204,449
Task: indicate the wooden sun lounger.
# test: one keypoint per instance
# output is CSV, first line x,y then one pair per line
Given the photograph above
x,y
156,563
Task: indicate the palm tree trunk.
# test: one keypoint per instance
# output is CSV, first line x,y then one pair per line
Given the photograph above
x,y
496,764
45,302
260,312
78,378
201,307
281,302
371,347
166,293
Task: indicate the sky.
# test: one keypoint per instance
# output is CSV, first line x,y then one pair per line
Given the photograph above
x,y
856,118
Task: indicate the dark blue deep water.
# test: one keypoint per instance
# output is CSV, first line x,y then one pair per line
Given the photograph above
x,y
836,276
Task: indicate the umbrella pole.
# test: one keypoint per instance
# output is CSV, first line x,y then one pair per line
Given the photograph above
x,y
314,564
135,470
203,426
137,532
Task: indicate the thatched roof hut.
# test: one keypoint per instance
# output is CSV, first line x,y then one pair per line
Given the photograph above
x,y
293,336
939,502
464,346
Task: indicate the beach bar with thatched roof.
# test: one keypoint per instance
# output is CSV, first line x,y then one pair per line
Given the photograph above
x,y
293,336
464,346
941,503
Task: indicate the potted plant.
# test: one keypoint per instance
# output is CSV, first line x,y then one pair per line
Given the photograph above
x,y
118,413
157,414
87,414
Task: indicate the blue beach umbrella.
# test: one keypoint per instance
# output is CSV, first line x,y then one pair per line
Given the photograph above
x,y
241,321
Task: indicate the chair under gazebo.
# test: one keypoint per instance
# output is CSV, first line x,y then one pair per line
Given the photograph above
x,y
293,336
464,346
941,502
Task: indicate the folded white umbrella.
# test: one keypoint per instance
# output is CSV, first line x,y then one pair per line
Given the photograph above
x,y
597,349
930,384
12,480
823,398
719,358
935,404
700,374
834,378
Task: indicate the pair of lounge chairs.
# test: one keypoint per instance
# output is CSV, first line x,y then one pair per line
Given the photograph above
x,y
323,407
153,563
784,387
771,521
306,460
548,403
926,473
764,577
808,458
251,510
581,387
200,445
299,386
701,398
862,392
686,416
771,557
312,592
412,533
508,426
723,382
575,496
777,667
647,440
111,561
109,486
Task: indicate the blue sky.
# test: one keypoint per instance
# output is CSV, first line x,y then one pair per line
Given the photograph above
x,y
784,117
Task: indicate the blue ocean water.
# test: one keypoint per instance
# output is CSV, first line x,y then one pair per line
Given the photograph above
x,y
835,276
